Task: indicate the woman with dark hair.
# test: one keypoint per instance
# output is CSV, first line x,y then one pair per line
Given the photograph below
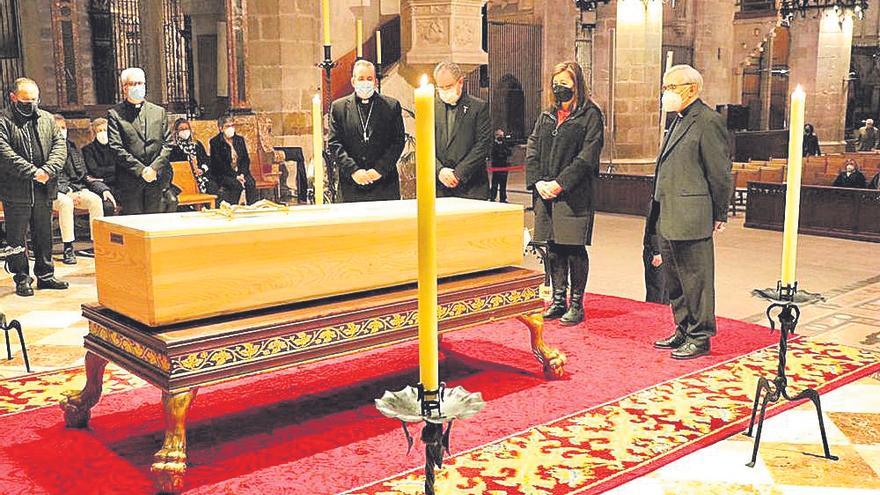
x,y
188,149
811,141
562,169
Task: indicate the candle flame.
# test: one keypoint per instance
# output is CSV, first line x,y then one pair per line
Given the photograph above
x,y
424,80
316,98
799,90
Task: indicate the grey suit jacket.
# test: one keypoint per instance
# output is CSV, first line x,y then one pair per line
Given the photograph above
x,y
468,149
692,185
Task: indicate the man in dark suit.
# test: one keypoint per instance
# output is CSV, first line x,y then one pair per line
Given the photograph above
x,y
367,138
464,137
32,153
139,136
692,188
230,165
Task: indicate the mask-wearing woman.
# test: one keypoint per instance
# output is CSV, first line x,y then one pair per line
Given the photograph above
x,y
562,169
188,149
811,141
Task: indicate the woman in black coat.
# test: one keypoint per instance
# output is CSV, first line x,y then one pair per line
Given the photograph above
x,y
811,141
189,149
562,169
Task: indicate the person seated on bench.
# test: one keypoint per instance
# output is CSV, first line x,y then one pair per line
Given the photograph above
x,y
230,165
73,192
851,177
875,182
187,148
101,166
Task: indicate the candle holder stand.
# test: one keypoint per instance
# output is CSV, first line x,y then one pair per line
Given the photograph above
x,y
378,77
327,65
435,408
786,299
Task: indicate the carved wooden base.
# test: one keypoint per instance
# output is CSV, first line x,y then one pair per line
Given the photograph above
x,y
551,358
77,404
169,463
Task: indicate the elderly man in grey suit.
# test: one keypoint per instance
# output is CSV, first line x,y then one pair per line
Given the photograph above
x,y
692,188
464,137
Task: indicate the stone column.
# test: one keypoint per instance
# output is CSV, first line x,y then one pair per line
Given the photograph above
x,y
152,55
767,83
436,30
37,46
68,73
237,52
823,75
626,78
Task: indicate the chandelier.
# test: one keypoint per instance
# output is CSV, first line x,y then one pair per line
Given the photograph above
x,y
790,8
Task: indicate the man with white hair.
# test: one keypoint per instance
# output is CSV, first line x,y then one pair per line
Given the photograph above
x,y
140,139
692,189
866,137
464,137
366,138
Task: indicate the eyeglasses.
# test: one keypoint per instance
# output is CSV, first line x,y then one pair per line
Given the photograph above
x,y
671,87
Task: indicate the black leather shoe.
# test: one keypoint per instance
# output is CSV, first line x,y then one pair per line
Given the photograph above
x,y
691,350
52,283
674,341
575,313
23,288
557,307
68,258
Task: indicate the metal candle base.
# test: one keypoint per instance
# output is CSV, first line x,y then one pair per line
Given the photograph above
x,y
434,408
785,299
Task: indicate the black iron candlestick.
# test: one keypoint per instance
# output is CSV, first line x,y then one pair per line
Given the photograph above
x,y
379,77
435,408
785,299
326,99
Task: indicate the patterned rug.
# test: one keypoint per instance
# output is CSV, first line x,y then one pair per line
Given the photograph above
x,y
602,447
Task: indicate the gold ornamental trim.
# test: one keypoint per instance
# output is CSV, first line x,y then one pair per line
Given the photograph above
x,y
237,354
130,347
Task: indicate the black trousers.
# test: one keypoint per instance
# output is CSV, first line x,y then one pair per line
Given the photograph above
x,y
691,283
230,190
146,199
39,218
655,279
499,184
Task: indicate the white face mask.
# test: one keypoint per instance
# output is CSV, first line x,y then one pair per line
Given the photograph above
x,y
102,137
364,89
229,132
184,134
672,101
449,96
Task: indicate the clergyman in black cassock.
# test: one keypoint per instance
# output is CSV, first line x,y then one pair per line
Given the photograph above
x,y
366,137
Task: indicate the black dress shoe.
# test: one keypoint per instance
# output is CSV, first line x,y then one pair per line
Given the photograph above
x,y
691,350
52,283
674,341
23,288
68,258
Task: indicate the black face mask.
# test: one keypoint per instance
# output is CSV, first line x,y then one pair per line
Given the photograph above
x,y
562,93
26,108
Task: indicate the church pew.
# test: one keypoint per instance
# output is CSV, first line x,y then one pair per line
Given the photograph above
x,y
825,211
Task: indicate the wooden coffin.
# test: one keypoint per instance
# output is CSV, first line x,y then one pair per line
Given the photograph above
x,y
174,267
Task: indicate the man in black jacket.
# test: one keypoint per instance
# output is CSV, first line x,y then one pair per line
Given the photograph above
x,y
140,139
464,137
32,153
101,166
367,138
230,165
74,191
692,188
500,159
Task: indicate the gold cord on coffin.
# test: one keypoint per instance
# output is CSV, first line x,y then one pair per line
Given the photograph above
x,y
262,206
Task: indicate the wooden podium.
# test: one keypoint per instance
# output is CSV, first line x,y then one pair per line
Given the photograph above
x,y
179,358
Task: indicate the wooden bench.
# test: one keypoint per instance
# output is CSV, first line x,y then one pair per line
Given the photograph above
x,y
189,189
180,358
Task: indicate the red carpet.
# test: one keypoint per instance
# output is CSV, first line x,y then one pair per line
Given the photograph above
x,y
314,430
